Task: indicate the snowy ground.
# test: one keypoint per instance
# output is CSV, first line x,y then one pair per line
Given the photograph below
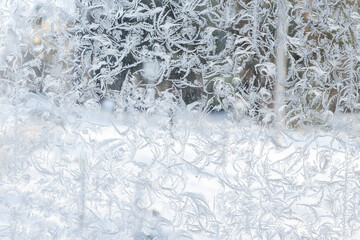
x,y
80,175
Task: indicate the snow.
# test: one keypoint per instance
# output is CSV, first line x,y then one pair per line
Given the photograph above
x,y
133,177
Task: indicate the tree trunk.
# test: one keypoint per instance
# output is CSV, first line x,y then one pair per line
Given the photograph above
x,y
281,65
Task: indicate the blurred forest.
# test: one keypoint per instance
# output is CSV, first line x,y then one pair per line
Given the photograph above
x,y
291,61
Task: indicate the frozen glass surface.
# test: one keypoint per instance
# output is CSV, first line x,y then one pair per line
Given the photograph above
x,y
179,119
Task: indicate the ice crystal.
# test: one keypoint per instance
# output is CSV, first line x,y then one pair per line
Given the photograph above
x,y
178,119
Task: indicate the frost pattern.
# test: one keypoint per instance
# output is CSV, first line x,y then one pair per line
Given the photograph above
x,y
168,119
